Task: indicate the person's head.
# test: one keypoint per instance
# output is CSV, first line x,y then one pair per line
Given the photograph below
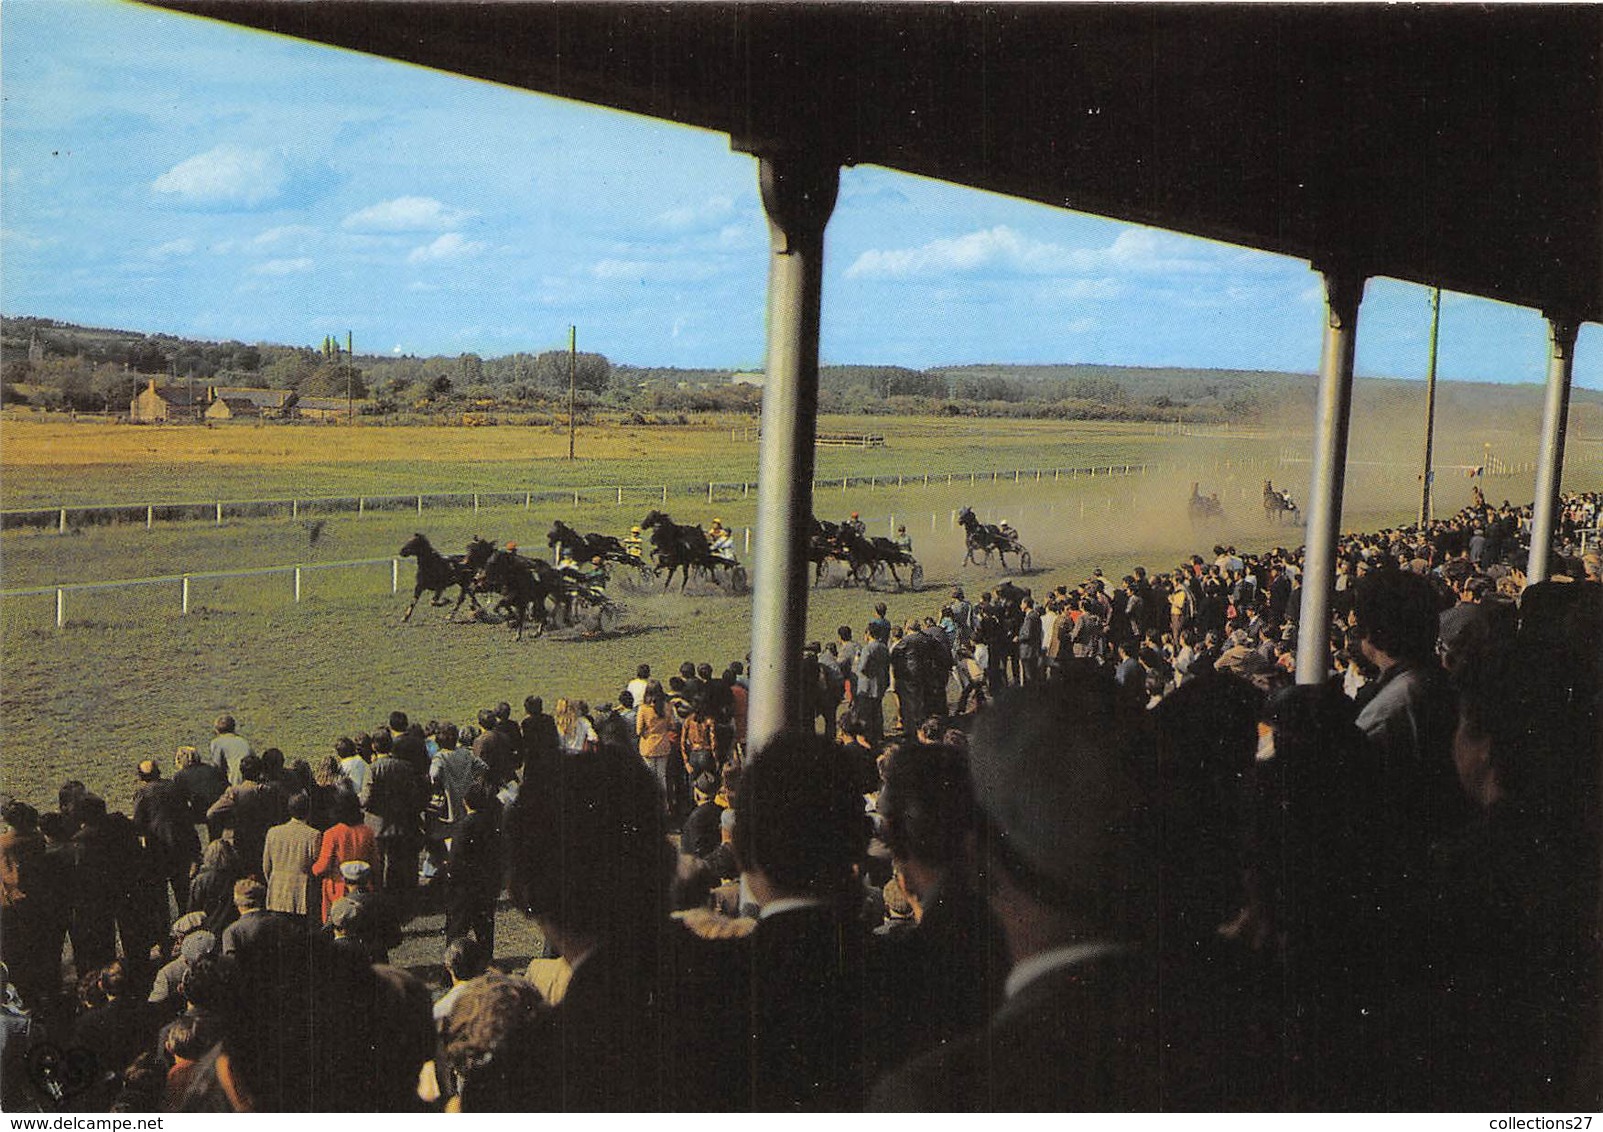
x,y
398,722
626,700
298,806
1066,830
89,810
487,720
844,632
250,768
655,695
185,757
465,958
801,828
1397,617
566,713
357,875
224,724
69,795
589,857
272,764
448,737
880,608
189,1036
643,672
220,856
927,803
344,748
20,816
490,1041
147,771
533,705
503,711
250,895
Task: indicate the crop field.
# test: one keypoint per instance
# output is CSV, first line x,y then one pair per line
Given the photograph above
x,y
129,678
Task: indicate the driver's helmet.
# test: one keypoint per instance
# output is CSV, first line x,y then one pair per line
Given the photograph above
x,y
512,548
854,514
634,530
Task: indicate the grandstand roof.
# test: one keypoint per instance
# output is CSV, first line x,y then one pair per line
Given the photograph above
x,y
1442,144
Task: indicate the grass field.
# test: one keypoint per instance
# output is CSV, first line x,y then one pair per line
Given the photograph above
x,y
128,678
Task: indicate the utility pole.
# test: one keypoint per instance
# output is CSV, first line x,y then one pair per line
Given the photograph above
x,y
573,382
1425,481
350,381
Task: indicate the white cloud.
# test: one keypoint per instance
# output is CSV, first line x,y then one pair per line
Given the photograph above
x,y
283,266
1002,250
405,214
449,246
179,247
297,234
643,271
226,175
710,212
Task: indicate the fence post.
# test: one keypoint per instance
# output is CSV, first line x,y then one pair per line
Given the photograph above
x,y
294,508
361,504
748,541
932,522
186,595
61,607
528,500
576,497
745,489
475,503
420,505
297,583
1015,475
665,495
62,526
709,493
219,513
620,497
150,517
395,575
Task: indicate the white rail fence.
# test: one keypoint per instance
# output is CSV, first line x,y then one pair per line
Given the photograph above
x,y
63,518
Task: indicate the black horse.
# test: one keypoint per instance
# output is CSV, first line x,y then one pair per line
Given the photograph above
x,y
888,556
984,539
682,548
525,585
582,548
438,572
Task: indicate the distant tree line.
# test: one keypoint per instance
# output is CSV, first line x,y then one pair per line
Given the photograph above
x,y
59,365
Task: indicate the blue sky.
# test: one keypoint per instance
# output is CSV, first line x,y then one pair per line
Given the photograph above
x,y
170,174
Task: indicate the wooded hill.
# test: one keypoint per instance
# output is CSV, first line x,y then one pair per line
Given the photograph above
x,y
56,365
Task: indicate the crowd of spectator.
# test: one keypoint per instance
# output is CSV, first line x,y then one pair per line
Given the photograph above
x,y
1011,823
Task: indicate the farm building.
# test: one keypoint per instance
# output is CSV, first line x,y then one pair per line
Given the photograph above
x,y
326,408
232,403
157,402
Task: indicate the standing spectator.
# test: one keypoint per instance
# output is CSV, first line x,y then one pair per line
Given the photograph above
x,y
628,715
575,735
658,729
211,893
31,900
348,839
201,784
163,819
111,891
288,855
394,804
407,743
452,771
246,812
698,742
873,672
505,724
323,793
539,738
474,871
637,686
228,750
353,765
846,656
495,750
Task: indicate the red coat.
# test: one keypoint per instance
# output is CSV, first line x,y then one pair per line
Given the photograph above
x,y
342,843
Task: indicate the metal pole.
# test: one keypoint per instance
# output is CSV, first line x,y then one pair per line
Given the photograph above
x,y
1344,291
1561,331
1430,406
573,382
798,192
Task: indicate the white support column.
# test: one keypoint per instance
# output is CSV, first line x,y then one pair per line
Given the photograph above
x,y
1561,332
1344,291
798,192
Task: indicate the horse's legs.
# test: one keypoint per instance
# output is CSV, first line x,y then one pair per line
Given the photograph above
x,y
417,592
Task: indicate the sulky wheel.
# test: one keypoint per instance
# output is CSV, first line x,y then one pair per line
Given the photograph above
x,y
1024,561
917,576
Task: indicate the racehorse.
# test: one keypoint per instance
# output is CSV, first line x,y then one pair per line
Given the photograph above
x,y
1204,508
677,547
437,572
582,548
525,585
888,556
1277,505
986,539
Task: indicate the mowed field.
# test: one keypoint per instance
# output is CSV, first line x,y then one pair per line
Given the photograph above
x,y
128,678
